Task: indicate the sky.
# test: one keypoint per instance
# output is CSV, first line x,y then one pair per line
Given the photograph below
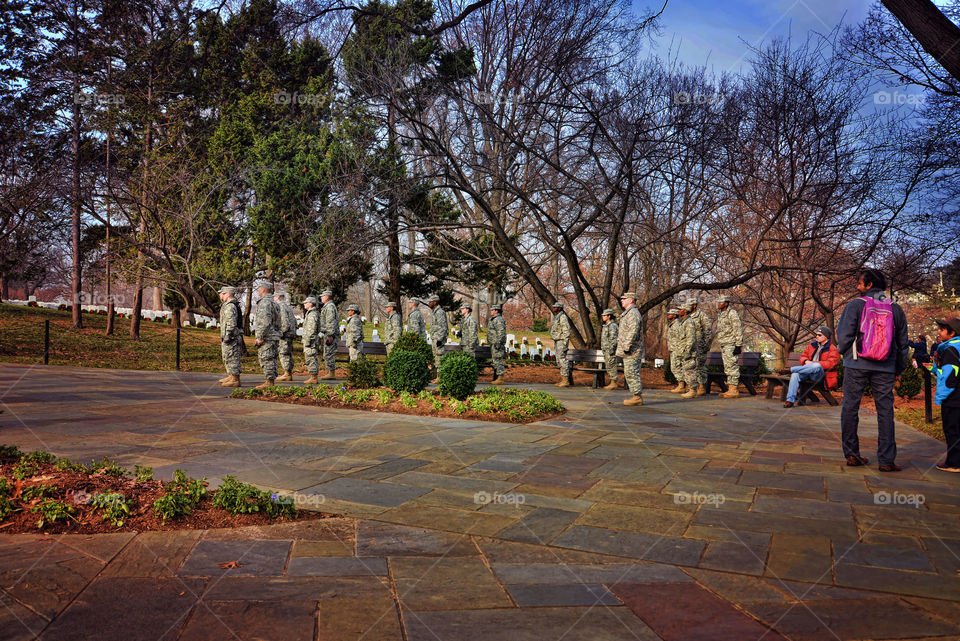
x,y
718,33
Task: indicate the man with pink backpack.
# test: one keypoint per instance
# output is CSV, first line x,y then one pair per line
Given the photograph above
x,y
872,337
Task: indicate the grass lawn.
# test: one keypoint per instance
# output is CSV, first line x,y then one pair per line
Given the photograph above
x,y
913,416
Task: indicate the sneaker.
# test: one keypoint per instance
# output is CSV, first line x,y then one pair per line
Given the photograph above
x,y
788,403
944,468
893,467
856,461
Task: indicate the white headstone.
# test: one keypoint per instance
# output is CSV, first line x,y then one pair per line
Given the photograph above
x,y
376,337
658,362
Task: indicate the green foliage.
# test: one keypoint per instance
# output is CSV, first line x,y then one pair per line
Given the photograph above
x,y
193,488
39,456
10,452
237,497
51,511
363,373
517,404
5,487
406,371
142,473
7,507
172,505
458,375
383,396
114,506
106,467
911,383
64,464
408,400
24,469
539,325
31,492
412,342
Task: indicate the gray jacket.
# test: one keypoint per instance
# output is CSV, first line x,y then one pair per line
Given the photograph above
x,y
848,331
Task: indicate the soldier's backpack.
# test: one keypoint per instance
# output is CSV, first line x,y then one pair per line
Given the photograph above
x,y
876,330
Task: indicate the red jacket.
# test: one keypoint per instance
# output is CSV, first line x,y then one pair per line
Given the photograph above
x,y
829,358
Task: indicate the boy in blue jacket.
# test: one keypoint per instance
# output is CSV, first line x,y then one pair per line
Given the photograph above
x,y
946,367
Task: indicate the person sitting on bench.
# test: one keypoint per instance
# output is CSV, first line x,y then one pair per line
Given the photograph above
x,y
819,360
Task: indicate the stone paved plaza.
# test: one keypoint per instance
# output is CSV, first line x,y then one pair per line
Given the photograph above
x,y
703,519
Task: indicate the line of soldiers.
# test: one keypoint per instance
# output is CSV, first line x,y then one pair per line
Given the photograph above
x,y
275,329
689,338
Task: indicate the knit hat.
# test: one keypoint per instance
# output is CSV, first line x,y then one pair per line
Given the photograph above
x,y
826,331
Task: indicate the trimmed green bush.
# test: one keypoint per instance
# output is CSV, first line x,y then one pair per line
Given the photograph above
x,y
911,383
410,342
406,371
363,373
458,375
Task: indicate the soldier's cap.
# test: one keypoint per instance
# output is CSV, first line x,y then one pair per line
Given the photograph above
x,y
265,284
607,312
414,300
688,306
723,299
311,300
327,292
632,295
674,311
432,298
353,308
465,305
390,303
226,289
497,307
691,300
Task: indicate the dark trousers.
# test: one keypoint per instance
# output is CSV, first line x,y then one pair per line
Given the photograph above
x,y
881,384
951,430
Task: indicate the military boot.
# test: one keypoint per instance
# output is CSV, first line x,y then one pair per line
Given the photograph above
x,y
329,376
286,376
563,382
690,393
312,380
612,385
267,383
497,380
230,381
680,388
701,390
225,379
634,400
733,392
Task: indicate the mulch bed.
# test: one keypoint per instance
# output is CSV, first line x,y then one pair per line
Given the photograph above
x,y
75,489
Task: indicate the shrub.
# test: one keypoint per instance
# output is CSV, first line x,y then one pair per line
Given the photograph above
x,y
142,473
363,373
458,375
10,451
911,383
114,506
237,497
51,510
539,325
411,342
406,371
172,505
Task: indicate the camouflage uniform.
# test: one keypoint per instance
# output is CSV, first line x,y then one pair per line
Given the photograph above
x,y
354,335
416,325
674,333
288,332
497,337
608,343
729,337
311,328
687,350
266,328
702,324
438,334
231,336
330,330
629,346
393,329
468,334
560,333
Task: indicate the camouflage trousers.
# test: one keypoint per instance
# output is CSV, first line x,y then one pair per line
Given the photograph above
x,y
730,366
701,354
676,366
498,358
691,373
438,352
330,354
267,353
285,354
355,350
311,359
561,347
610,362
631,372
232,353
389,347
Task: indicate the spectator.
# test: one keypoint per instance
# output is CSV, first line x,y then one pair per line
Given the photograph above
x,y
947,370
920,354
860,371
819,360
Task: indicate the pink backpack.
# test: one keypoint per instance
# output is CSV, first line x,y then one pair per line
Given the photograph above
x,y
876,330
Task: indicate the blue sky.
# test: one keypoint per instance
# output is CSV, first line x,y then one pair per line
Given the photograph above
x,y
713,32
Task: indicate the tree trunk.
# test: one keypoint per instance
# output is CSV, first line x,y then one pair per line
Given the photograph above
x,y
4,288
249,304
934,31
393,217
76,284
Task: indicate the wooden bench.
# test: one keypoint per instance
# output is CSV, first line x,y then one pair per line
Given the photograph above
x,y
593,362
749,361
808,391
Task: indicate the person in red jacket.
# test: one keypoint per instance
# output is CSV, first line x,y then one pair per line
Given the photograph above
x,y
819,360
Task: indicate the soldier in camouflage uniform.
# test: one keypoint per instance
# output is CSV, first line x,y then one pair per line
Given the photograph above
x,y
630,346
354,333
608,343
415,324
560,333
311,340
392,328
266,329
329,333
497,338
288,333
438,331
687,351
469,338
704,338
674,331
231,336
730,339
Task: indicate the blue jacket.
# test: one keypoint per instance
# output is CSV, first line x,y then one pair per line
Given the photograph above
x,y
946,368
848,331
